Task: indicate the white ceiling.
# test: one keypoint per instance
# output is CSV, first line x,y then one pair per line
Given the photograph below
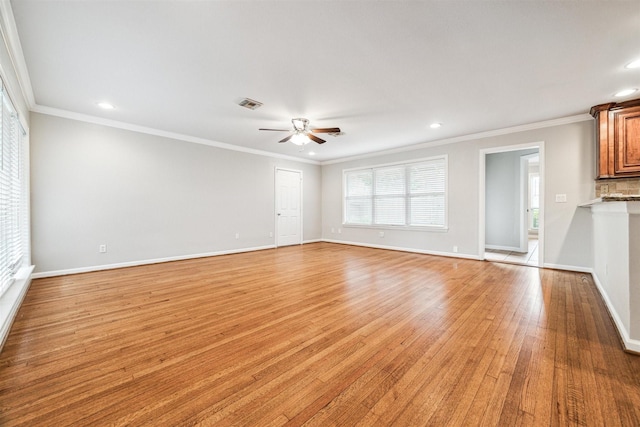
x,y
382,71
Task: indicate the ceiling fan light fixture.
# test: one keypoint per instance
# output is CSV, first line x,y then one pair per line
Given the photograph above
x,y
300,125
300,138
301,134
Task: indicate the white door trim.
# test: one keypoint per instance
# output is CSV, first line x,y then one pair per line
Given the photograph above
x,y
524,200
482,194
524,196
275,193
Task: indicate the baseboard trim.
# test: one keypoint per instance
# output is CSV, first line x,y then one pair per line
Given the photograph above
x,y
11,301
503,248
402,249
311,241
66,272
575,268
630,345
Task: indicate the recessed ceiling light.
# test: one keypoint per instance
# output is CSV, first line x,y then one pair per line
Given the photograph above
x,y
435,125
634,64
311,153
106,105
625,92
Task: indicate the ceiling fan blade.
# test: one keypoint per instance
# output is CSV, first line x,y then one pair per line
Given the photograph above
x,y
326,130
286,139
316,139
277,130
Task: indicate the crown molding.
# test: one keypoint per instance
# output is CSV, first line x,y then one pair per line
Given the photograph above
x,y
165,134
188,138
12,42
480,135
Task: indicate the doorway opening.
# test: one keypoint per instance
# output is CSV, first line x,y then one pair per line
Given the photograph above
x,y
511,199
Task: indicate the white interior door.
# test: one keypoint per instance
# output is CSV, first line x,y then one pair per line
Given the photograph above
x,y
288,207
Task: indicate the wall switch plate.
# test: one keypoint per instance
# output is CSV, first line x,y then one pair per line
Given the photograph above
x,y
561,198
339,230
237,235
271,234
102,249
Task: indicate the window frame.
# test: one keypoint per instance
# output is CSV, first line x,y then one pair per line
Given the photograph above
x,y
407,195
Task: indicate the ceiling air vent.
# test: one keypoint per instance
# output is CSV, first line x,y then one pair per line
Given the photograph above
x,y
250,103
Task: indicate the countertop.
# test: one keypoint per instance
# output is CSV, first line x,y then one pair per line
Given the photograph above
x,y
612,198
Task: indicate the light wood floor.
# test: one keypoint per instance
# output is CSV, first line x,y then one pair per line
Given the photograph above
x,y
322,335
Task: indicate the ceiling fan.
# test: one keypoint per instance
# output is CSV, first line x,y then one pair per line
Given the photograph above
x,y
302,134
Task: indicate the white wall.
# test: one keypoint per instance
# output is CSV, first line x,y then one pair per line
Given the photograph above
x,y
634,275
611,263
569,168
616,269
148,197
503,199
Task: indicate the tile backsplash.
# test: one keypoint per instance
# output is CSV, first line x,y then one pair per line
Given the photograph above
x,y
623,186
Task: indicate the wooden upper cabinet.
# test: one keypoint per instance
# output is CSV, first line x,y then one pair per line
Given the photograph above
x,y
627,141
618,139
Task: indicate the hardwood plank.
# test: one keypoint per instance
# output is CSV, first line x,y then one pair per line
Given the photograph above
x,y
317,335
540,371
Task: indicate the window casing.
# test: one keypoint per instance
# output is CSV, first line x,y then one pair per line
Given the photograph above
x,y
404,195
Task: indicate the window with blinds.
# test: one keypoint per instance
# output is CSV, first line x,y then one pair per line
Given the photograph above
x,y
399,195
13,194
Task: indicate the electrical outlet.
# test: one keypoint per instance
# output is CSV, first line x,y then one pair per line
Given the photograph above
x,y
271,234
339,230
333,230
381,234
604,188
455,249
237,235
561,198
102,249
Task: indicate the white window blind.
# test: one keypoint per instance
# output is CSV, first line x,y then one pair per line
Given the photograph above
x,y
359,189
427,194
410,195
389,204
13,194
